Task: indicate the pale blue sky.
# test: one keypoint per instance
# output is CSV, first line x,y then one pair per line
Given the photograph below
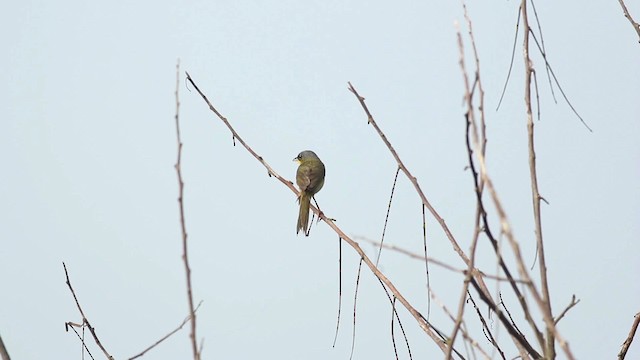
x,y
88,147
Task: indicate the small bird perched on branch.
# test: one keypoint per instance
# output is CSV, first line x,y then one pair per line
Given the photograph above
x,y
310,179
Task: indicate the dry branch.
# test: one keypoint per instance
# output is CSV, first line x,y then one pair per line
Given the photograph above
x,y
635,25
421,320
85,321
627,342
535,193
4,354
183,227
187,319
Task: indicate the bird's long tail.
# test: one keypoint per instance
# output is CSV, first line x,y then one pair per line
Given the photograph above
x,y
303,216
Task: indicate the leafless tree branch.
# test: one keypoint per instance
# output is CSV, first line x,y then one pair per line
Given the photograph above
x,y
573,303
4,354
627,342
424,325
183,226
85,321
186,320
431,260
535,193
635,25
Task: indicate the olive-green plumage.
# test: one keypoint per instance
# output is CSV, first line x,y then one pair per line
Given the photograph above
x,y
310,179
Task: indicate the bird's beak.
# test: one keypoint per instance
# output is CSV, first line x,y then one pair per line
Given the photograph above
x,y
296,160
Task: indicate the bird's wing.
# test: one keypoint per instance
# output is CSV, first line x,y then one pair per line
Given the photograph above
x,y
305,177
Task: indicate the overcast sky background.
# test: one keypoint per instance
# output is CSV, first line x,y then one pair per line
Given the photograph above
x,y
88,146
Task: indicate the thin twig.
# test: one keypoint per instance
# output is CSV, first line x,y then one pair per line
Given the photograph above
x,y
544,52
386,218
355,303
474,344
335,338
513,56
485,327
573,303
395,311
426,263
506,323
393,318
73,326
555,78
85,321
186,320
635,25
629,339
183,226
431,260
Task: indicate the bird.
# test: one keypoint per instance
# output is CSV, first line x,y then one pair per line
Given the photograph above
x,y
310,179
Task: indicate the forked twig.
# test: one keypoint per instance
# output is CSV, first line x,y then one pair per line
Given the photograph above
x,y
186,320
85,321
573,303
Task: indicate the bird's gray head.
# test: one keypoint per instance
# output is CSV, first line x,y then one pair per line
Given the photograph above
x,y
307,154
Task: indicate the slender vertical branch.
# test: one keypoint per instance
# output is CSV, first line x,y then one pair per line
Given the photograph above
x,y
386,218
335,338
535,193
185,252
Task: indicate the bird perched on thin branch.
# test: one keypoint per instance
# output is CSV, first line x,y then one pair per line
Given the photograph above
x,y
310,179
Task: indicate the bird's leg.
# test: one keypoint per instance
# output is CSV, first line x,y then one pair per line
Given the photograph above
x,y
318,206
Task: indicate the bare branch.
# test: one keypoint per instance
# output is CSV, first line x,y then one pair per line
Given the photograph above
x,y
478,185
635,25
549,352
355,303
466,336
335,338
424,325
573,303
183,226
186,320
85,321
555,79
513,55
627,342
4,354
73,326
476,271
416,185
386,218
